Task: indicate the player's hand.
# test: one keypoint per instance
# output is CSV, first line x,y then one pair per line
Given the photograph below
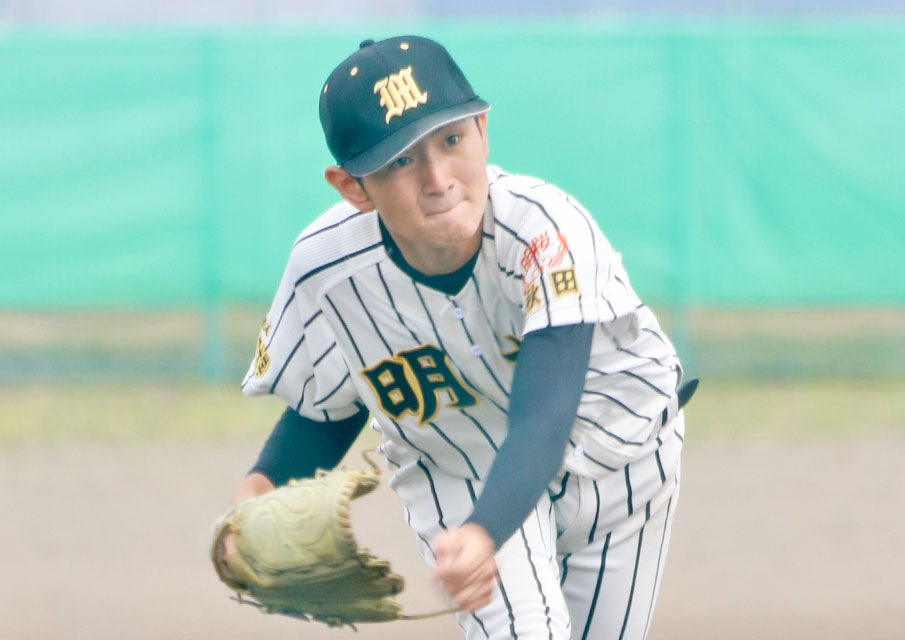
x,y
465,565
254,484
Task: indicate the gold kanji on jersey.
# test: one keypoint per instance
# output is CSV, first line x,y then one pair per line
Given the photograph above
x,y
532,297
564,281
262,358
511,356
411,381
398,92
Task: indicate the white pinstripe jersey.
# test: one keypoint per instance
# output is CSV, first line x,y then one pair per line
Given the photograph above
x,y
348,327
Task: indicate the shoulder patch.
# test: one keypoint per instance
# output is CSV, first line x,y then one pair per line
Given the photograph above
x,y
262,358
541,254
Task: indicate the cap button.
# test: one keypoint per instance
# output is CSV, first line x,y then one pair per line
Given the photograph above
x,y
365,43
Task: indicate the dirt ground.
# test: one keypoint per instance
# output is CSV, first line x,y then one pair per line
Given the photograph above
x,y
771,540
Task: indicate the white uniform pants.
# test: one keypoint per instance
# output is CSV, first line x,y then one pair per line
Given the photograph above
x,y
586,563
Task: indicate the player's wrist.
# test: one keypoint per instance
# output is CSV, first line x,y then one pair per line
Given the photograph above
x,y
483,529
254,484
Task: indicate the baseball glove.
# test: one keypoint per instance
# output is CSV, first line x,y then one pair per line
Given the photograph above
x,y
297,555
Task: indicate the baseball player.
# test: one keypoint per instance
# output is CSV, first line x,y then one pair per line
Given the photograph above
x,y
528,401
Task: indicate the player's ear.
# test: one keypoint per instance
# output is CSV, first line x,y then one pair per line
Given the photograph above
x,y
348,187
481,121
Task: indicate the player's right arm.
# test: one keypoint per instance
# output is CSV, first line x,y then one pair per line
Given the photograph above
x,y
296,448
254,484
323,414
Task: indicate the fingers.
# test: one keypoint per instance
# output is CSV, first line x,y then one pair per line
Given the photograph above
x,y
465,565
228,546
474,594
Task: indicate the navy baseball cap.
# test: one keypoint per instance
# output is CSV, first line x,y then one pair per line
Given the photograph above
x,y
387,96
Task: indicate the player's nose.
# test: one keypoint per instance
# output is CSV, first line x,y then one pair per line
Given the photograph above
x,y
436,177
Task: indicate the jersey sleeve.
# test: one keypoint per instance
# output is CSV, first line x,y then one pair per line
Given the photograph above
x,y
296,356
565,269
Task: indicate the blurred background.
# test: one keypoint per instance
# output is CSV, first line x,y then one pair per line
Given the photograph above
x,y
157,160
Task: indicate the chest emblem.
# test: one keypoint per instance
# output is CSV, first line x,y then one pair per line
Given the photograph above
x,y
413,380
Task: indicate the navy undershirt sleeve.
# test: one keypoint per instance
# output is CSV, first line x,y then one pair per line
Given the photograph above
x,y
546,389
298,446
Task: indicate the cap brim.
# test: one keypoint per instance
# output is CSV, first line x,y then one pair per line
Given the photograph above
x,y
380,154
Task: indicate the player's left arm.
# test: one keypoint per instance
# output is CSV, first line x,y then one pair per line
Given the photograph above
x,y
546,390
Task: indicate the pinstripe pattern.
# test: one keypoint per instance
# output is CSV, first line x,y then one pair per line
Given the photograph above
x,y
593,608
611,568
350,326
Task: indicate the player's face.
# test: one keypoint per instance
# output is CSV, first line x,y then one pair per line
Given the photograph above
x,y
432,197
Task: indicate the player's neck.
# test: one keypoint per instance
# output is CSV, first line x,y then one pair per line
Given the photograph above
x,y
450,281
432,260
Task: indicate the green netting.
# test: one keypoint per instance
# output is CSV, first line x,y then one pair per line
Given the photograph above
x,y
732,164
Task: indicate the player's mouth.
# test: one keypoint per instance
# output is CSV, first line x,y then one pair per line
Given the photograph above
x,y
440,210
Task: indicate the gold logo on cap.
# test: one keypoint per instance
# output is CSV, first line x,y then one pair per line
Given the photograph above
x,y
399,92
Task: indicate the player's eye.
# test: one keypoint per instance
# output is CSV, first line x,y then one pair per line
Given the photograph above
x,y
453,139
401,161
